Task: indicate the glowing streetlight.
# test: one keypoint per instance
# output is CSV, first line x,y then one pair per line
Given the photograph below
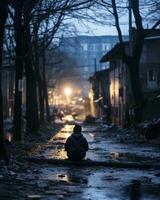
x,y
67,92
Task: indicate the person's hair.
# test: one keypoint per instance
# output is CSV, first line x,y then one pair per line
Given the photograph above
x,y
77,128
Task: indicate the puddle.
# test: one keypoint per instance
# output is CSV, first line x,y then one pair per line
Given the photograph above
x,y
100,147
98,183
105,184
72,183
131,157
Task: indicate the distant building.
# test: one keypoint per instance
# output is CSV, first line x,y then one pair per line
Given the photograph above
x,y
8,73
87,51
8,87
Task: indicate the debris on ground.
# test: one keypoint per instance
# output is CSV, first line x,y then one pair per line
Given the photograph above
x,y
149,129
90,119
32,180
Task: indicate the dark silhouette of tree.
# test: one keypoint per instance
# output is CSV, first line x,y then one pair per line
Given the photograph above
x,y
31,88
154,10
132,58
19,68
46,25
3,17
35,25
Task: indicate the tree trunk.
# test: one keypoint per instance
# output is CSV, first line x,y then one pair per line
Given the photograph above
x,y
40,87
31,99
45,89
134,72
32,119
136,90
3,17
41,100
40,95
18,73
31,89
133,61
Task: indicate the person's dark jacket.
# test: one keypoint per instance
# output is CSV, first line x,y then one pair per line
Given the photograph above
x,y
76,146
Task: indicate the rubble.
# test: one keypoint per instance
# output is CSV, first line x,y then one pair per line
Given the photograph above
x,y
149,129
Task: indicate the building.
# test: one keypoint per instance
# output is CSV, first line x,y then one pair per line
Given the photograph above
x,y
100,94
87,51
150,65
8,76
8,87
120,93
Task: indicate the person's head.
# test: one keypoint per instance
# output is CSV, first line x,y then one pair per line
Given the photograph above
x,y
77,128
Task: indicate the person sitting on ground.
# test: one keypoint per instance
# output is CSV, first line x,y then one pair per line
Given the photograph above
x,y
76,145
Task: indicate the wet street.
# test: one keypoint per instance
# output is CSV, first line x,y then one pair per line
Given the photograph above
x,y
44,181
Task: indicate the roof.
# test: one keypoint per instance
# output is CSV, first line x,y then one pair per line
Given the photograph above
x,y
153,37
114,53
93,39
99,74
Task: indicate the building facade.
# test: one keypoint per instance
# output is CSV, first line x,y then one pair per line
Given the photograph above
x,y
100,94
150,65
120,91
87,51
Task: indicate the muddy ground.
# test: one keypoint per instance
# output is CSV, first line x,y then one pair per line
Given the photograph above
x,y
24,180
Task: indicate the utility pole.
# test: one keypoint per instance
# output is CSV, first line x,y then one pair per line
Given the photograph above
x,y
130,26
95,65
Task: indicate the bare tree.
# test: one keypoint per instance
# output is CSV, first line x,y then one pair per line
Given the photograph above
x,y
154,10
19,67
131,60
46,26
35,25
3,17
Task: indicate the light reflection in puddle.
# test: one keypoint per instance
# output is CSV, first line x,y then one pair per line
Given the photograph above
x,y
108,184
101,184
63,177
61,154
92,135
63,134
99,147
58,151
115,155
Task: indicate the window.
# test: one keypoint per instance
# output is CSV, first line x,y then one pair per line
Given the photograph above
x,y
105,47
84,47
86,69
20,85
84,76
90,47
151,75
151,79
98,47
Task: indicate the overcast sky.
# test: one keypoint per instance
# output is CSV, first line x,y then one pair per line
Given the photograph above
x,y
88,28
94,29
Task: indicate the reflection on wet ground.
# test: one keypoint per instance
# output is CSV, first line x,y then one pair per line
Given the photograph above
x,y
96,183
100,147
49,183
74,183
57,143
